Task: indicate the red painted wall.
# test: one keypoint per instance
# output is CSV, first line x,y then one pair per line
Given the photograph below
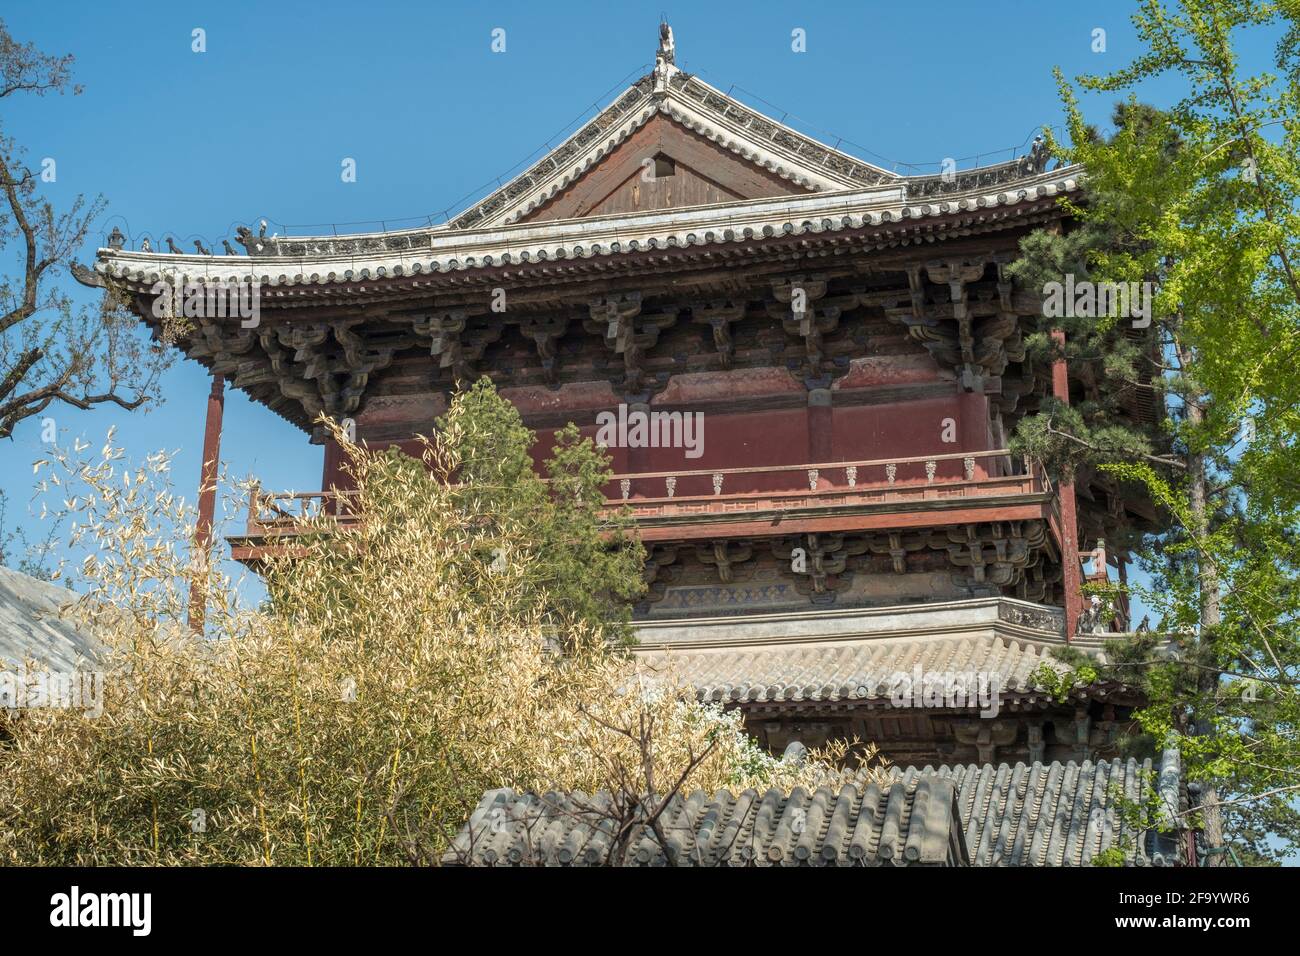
x,y
786,437
911,429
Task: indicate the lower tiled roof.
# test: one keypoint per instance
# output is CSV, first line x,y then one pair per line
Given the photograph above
x,y
843,671
900,825
1057,814
995,815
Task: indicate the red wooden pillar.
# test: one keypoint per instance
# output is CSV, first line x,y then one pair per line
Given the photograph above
x,y
332,472
1072,576
973,428
821,435
638,457
207,492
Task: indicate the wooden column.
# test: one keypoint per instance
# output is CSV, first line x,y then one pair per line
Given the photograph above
x,y
638,458
332,471
973,428
207,493
821,437
1071,576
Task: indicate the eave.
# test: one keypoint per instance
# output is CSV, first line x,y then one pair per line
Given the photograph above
x,y
355,265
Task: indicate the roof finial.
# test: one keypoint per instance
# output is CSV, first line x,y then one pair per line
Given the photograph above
x,y
666,47
664,57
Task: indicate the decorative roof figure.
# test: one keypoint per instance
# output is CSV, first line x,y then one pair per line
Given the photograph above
x,y
667,50
665,57
1039,154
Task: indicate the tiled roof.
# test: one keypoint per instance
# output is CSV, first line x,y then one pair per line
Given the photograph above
x,y
1056,814
305,262
32,628
494,232
1041,815
900,825
845,670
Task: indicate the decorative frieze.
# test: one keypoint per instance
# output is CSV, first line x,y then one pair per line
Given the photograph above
x,y
1039,618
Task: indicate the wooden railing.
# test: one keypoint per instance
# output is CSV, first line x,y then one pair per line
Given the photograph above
x,y
925,470
961,474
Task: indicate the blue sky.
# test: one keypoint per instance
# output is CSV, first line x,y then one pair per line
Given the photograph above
x,y
192,144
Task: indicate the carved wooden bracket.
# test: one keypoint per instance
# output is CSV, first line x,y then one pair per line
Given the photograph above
x,y
719,316
630,334
897,544
458,344
1039,580
823,559
804,311
360,360
545,332
986,736
724,555
995,553
974,329
657,572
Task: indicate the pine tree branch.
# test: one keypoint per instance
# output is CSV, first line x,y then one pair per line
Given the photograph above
x,y
1154,459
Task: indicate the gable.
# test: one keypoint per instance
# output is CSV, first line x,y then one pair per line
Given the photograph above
x,y
730,152
664,165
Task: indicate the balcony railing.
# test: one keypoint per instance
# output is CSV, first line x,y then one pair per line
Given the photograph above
x,y
665,494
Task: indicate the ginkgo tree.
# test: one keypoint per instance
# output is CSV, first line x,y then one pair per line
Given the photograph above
x,y
1200,200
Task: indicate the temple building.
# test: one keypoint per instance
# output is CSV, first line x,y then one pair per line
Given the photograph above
x,y
806,368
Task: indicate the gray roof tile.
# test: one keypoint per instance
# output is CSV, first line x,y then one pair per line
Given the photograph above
x,y
31,626
845,671
911,824
1057,814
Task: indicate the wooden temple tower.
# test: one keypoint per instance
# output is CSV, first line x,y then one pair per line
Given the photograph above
x,y
855,347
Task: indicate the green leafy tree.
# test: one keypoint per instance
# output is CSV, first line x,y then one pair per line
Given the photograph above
x,y
1201,200
585,560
